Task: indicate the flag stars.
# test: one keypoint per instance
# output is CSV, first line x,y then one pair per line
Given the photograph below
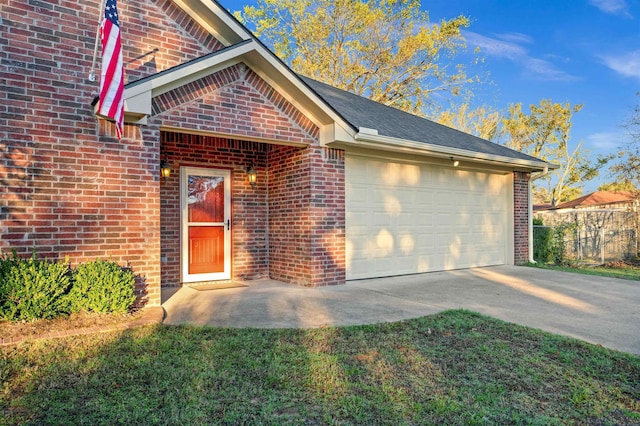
x,y
111,12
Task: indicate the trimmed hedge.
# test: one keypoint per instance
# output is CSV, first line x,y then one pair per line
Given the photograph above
x,y
102,286
35,288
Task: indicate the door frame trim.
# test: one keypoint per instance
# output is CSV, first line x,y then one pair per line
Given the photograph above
x,y
185,277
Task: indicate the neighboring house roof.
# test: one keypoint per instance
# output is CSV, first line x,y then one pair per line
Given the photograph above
x,y
361,112
541,207
343,118
597,199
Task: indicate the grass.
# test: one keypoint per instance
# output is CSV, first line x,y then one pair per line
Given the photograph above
x,y
457,367
628,271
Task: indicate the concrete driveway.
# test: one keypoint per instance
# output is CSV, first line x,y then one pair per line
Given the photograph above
x,y
603,311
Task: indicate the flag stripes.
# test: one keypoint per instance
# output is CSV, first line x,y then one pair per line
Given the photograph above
x,y
111,99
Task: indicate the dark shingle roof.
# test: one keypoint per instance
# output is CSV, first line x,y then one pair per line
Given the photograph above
x,y
362,112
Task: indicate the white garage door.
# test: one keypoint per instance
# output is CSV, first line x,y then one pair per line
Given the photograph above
x,y
407,218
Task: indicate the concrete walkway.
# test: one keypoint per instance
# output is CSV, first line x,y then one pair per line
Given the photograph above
x,y
600,310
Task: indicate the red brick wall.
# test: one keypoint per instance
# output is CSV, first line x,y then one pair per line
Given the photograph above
x,y
67,187
307,216
328,216
521,217
154,37
290,227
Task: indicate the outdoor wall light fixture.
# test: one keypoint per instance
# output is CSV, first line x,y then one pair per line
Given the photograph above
x,y
455,162
252,176
165,169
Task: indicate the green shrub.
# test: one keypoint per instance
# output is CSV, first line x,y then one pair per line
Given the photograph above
x,y
542,249
33,288
7,261
102,286
558,244
550,243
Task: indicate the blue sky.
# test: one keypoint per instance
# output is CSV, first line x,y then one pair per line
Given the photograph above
x,y
577,51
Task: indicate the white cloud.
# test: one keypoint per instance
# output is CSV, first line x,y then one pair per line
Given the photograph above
x,y
563,59
627,65
546,70
508,46
612,7
606,141
493,47
515,38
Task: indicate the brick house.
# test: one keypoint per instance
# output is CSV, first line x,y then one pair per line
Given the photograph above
x,y
345,188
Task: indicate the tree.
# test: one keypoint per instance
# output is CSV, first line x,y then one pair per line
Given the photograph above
x,y
617,186
627,168
386,50
483,121
544,133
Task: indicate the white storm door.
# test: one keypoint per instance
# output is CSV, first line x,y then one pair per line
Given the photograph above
x,y
205,216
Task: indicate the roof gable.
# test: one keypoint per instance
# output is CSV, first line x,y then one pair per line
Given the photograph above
x,y
239,105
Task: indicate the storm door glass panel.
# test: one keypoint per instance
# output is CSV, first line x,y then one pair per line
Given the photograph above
x,y
206,198
206,212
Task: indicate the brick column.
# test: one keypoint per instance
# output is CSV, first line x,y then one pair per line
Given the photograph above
x,y
328,218
307,216
521,217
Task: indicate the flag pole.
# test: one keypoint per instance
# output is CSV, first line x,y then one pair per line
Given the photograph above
x,y
92,75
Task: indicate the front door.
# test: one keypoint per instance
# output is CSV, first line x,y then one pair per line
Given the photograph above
x,y
205,199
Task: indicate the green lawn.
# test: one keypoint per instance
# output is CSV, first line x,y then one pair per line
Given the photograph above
x,y
457,367
627,272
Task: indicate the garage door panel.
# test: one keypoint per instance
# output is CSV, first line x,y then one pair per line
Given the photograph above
x,y
408,218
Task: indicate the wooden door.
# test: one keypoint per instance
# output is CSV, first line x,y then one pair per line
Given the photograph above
x,y
206,224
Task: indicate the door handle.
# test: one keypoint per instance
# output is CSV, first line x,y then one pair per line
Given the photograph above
x,y
228,224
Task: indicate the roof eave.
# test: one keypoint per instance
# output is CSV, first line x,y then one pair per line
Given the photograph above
x,y
388,143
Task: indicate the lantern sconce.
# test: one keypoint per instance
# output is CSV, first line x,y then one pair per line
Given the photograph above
x,y
165,169
252,176
455,162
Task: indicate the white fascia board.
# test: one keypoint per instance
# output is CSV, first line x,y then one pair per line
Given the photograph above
x,y
335,133
138,97
402,145
215,20
137,108
191,72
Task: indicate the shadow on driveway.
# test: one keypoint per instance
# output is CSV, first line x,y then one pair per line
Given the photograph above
x,y
600,310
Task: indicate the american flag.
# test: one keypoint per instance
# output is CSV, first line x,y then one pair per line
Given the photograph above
x,y
112,73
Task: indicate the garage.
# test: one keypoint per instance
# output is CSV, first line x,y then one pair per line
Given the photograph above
x,y
407,217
